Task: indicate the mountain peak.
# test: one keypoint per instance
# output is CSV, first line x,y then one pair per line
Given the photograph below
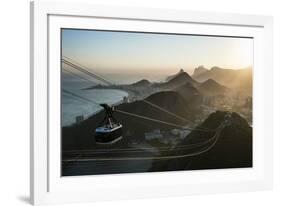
x,y
211,87
215,68
210,82
177,80
182,78
199,70
143,82
174,75
181,74
240,79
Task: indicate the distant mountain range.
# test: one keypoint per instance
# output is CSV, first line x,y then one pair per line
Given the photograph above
x,y
190,88
204,82
239,79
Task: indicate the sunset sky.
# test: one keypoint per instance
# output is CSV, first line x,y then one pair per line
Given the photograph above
x,y
123,52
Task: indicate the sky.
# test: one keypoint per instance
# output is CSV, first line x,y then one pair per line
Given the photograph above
x,y
111,52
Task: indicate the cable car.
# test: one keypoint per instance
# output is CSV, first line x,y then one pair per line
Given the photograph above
x,y
110,130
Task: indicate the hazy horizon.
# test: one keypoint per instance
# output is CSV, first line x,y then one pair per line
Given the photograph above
x,y
153,56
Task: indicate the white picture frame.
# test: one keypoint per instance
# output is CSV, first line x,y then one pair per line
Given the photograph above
x,y
47,186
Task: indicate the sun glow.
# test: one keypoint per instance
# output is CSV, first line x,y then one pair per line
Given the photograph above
x,y
155,54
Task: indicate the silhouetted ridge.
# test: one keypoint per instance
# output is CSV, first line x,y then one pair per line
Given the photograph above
x,y
234,146
141,83
198,71
182,77
211,87
179,80
239,79
174,75
215,68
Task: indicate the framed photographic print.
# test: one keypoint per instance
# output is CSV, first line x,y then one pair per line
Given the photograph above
x,y
135,103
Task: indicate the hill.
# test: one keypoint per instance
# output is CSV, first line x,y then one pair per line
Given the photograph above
x,y
233,149
141,83
211,88
189,93
174,75
177,81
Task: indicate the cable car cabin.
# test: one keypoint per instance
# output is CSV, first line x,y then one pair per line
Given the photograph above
x,y
108,134
109,131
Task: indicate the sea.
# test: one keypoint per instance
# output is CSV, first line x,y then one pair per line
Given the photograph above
x,y
73,107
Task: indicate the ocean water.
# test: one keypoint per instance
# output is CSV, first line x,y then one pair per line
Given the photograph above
x,y
73,107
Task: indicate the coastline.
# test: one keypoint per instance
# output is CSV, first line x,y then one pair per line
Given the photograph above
x,y
71,119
